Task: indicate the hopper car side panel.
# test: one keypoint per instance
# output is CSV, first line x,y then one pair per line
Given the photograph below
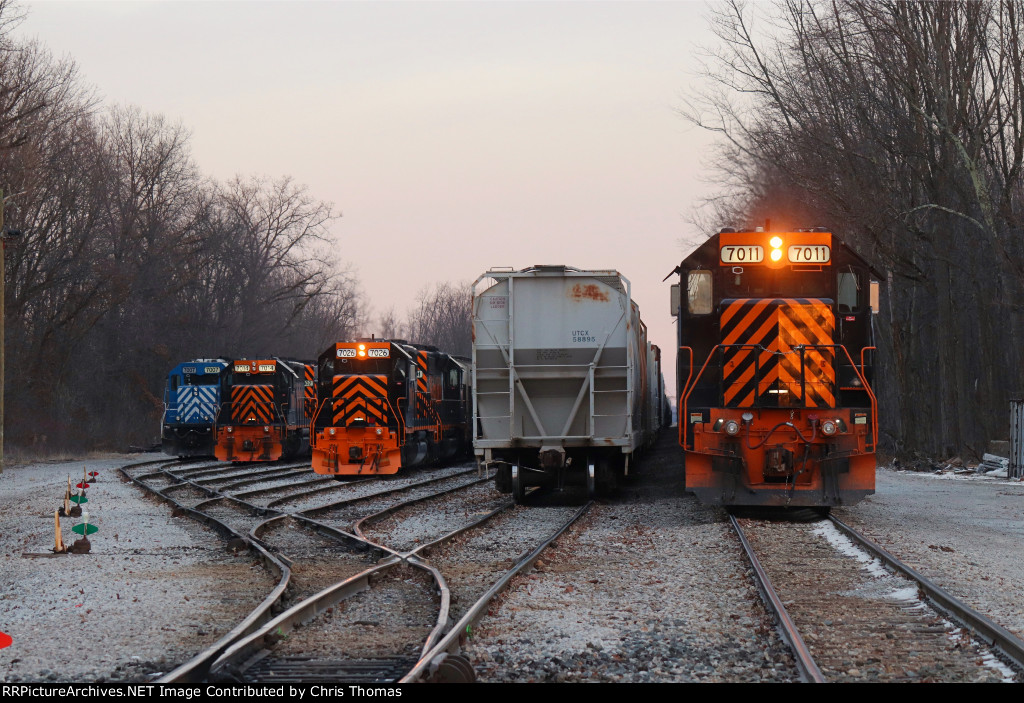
x,y
563,377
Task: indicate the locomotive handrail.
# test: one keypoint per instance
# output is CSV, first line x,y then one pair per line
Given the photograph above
x,y
863,380
276,416
312,424
874,415
691,386
682,396
399,421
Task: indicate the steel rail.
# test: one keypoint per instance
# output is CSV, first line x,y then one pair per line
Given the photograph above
x,y
451,644
247,651
197,668
992,634
358,524
809,671
370,496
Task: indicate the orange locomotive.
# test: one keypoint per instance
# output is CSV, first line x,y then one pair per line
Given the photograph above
x,y
268,409
774,370
387,404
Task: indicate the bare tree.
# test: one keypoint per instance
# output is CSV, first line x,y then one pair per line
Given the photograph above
x,y
444,318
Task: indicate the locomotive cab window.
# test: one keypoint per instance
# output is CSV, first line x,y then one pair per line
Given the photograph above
x,y
847,291
698,292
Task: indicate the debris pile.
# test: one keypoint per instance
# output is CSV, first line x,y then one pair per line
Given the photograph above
x,y
992,465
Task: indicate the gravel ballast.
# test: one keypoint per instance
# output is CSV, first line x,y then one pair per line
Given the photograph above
x,y
153,591
649,586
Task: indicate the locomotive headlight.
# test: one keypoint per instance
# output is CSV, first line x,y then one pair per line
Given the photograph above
x,y
775,242
828,427
776,254
732,428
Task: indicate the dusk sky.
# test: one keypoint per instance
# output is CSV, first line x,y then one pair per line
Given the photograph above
x,y
451,136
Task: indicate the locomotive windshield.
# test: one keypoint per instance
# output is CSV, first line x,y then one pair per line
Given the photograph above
x,y
201,379
761,282
362,366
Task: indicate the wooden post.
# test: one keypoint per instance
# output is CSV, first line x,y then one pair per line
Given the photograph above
x,y
58,543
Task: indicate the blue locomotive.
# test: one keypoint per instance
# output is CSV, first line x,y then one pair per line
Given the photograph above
x,y
191,400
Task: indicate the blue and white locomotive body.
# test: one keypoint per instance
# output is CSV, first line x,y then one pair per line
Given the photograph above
x,y
191,398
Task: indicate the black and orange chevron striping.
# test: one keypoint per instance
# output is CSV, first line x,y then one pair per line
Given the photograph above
x,y
252,404
360,396
779,374
309,381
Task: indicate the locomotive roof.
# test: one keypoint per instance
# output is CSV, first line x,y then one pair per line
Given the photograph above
x,y
711,244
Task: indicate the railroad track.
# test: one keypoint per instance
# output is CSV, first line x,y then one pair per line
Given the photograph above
x,y
222,497
392,621
849,618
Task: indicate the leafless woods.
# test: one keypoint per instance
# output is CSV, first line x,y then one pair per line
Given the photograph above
x,y
131,261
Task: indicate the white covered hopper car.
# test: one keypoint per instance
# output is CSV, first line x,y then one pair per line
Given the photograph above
x,y
563,389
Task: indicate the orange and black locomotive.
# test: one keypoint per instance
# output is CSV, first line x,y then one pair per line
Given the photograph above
x,y
387,404
775,368
267,409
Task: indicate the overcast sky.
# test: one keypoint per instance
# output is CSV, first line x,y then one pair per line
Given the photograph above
x,y
451,136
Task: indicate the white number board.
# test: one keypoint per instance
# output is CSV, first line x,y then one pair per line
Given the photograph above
x,y
378,353
742,254
266,367
810,254
346,353
211,369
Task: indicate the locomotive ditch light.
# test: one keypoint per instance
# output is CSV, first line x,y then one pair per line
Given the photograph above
x,y
379,431
829,427
732,428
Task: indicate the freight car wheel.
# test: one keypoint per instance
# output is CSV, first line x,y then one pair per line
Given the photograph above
x,y
518,489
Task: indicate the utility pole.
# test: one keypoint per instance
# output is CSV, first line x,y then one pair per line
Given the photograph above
x,y
3,290
5,234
